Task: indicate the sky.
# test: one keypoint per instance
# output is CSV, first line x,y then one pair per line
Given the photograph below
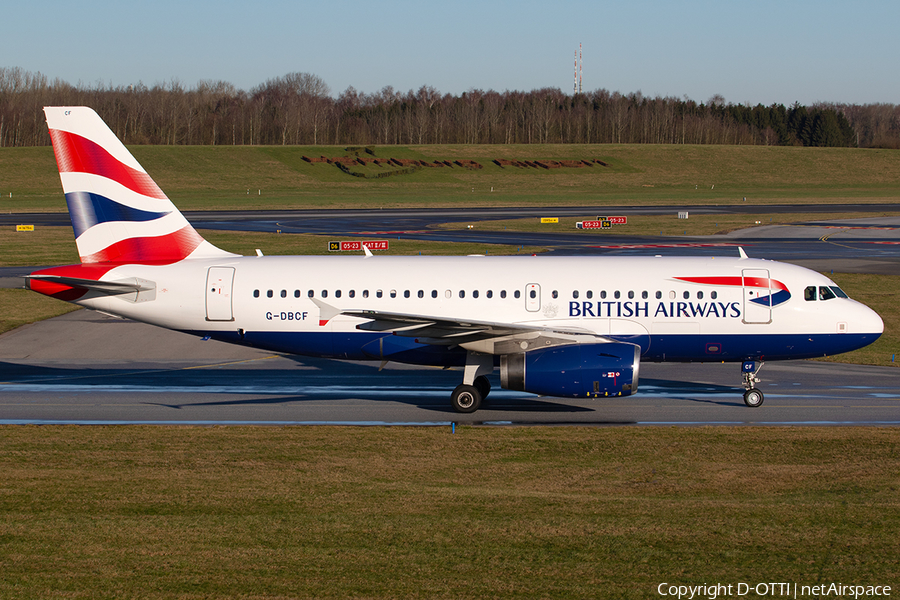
x,y
750,51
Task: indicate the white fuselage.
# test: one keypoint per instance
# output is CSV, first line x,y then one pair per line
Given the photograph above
x,y
276,302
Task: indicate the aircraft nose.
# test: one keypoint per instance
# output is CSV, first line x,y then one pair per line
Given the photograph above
x,y
867,320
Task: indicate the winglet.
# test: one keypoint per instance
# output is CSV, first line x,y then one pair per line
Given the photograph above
x,y
741,251
367,251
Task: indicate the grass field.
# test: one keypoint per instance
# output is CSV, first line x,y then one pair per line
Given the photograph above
x,y
200,177
130,512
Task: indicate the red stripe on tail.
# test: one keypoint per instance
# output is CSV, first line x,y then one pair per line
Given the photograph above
x,y
164,249
75,154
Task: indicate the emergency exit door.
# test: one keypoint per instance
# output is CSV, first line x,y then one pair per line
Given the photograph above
x,y
219,282
757,296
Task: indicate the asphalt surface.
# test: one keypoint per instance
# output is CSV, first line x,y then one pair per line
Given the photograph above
x,y
88,368
85,367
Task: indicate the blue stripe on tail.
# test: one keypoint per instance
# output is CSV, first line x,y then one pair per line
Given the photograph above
x,y
87,209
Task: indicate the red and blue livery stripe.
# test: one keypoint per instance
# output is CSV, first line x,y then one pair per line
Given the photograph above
x,y
780,295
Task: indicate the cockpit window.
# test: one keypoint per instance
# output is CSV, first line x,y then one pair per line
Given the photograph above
x,y
825,293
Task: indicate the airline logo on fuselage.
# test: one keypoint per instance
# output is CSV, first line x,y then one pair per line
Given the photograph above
x,y
675,309
637,309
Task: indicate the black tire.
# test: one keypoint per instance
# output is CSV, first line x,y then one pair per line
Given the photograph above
x,y
465,398
483,386
754,398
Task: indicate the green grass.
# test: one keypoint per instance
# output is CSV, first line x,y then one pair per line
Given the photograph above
x,y
206,177
132,512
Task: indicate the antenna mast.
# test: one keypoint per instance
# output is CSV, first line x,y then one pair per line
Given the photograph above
x,y
579,68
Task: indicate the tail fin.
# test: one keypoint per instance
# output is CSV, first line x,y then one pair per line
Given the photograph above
x,y
118,212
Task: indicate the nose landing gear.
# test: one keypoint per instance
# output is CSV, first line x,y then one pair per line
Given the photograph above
x,y
753,397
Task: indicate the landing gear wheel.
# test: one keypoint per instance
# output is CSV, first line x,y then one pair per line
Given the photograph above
x,y
753,398
483,386
465,398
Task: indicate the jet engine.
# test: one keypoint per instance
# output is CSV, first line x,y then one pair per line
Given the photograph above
x,y
574,370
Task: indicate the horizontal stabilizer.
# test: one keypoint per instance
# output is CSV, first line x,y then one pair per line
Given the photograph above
x,y
132,285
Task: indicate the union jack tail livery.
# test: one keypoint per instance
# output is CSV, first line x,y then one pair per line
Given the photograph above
x,y
118,212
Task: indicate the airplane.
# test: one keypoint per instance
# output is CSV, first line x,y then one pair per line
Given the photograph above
x,y
553,326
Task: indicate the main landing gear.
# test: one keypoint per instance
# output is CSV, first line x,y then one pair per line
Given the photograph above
x,y
467,396
753,397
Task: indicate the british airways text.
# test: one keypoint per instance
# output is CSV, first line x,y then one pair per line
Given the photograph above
x,y
660,310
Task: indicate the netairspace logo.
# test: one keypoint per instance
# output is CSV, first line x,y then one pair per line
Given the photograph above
x,y
771,590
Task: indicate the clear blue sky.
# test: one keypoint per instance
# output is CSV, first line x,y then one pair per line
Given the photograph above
x,y
749,51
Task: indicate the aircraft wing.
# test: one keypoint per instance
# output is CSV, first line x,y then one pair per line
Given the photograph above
x,y
479,336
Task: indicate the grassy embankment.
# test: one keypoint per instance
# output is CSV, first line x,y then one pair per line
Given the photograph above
x,y
131,512
200,178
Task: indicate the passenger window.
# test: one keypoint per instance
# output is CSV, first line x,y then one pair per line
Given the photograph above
x,y
256,293
503,293
365,293
379,293
699,295
603,295
533,294
284,293
714,295
475,294
575,294
462,293
671,294
434,293
448,294
490,294
589,294
269,294
352,293
324,293
687,295
296,293
644,295
617,294
658,295
406,293
337,294
310,293
630,295
517,294
393,293
421,294
555,294
809,294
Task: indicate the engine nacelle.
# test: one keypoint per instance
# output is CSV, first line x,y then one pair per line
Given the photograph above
x,y
576,370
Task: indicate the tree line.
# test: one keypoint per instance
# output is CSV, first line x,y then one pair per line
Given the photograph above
x,y
298,109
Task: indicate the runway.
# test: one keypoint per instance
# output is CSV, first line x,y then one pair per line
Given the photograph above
x,y
86,368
